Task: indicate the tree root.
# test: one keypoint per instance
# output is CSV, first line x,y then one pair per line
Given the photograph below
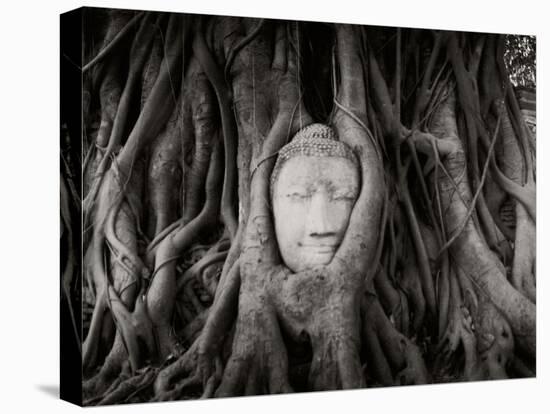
x,y
118,233
394,358
470,250
258,363
495,342
192,381
194,328
138,55
411,285
390,298
112,194
458,336
154,114
128,388
114,42
515,167
269,330
229,130
136,329
165,175
162,291
185,365
197,364
115,363
523,269
196,271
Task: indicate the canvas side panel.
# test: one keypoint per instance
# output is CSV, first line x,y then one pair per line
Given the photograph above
x,y
71,196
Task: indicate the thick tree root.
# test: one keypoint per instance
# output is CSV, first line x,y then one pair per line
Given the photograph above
x,y
198,361
470,250
165,175
258,363
392,358
115,363
163,289
165,385
458,338
128,388
427,257
524,266
136,329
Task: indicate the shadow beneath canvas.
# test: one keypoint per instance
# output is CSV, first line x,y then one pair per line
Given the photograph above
x,y
49,389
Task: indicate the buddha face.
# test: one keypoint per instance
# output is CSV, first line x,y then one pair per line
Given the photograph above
x,y
312,201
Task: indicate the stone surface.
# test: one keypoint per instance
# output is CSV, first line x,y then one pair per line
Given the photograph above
x,y
312,198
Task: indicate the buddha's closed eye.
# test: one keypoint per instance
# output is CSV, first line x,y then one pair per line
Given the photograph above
x,y
349,196
298,195
336,196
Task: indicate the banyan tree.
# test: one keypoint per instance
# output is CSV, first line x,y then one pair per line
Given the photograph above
x,y
279,206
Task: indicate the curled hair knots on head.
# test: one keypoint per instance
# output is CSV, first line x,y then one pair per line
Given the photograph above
x,y
314,140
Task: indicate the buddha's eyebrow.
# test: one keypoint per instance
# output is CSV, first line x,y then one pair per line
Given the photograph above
x,y
298,189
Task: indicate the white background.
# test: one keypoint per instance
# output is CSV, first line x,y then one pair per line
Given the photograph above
x,y
29,218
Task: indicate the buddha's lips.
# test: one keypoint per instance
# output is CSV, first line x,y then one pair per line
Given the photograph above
x,y
319,248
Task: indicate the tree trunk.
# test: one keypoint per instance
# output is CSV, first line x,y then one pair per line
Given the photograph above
x,y
431,282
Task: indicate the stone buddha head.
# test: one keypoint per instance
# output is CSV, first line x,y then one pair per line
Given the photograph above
x,y
314,186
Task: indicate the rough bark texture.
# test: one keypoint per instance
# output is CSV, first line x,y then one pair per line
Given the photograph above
x,y
434,280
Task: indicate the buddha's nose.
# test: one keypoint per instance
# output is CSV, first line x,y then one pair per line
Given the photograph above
x,y
318,220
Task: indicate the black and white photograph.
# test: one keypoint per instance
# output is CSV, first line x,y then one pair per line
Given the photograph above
x,y
271,207
268,206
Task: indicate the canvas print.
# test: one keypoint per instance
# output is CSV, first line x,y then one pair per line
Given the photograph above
x,y
268,206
